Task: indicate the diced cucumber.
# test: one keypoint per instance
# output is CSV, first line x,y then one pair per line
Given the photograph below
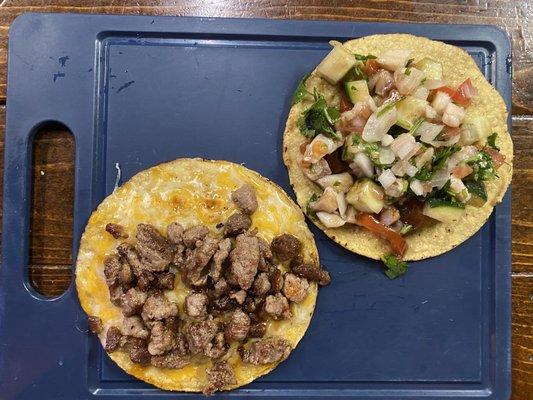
x,y
357,90
474,129
366,196
432,68
443,211
336,64
409,111
478,192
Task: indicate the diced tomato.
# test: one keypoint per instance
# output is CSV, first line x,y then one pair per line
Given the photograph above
x,y
497,158
371,67
450,132
462,170
397,242
462,95
346,104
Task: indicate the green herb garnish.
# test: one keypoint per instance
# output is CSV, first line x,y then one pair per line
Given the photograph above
x,y
477,188
424,174
483,166
370,149
395,267
491,141
360,57
407,71
442,155
406,229
311,213
445,203
319,118
301,91
416,125
388,106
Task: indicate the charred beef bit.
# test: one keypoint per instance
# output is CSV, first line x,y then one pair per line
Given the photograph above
x,y
180,256
224,247
261,284
245,199
182,347
95,324
276,280
117,271
196,304
239,296
236,224
221,287
266,351
112,339
116,294
264,249
205,251
158,307
133,301
257,330
131,255
285,247
116,230
221,304
217,347
310,272
144,280
277,306
244,260
238,326
219,376
173,360
295,288
253,304
173,323
139,351
194,272
154,249
175,233
192,235
133,326
162,340
164,281
199,334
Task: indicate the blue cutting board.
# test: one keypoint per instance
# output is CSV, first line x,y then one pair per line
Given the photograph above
x,y
142,90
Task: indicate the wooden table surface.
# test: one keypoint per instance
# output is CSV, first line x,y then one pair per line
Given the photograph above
x,y
51,235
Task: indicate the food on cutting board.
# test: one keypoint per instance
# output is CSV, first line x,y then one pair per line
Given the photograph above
x,y
198,275
397,147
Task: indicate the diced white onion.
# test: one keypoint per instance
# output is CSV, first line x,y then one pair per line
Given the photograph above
x,y
384,82
416,187
386,156
407,84
440,102
459,189
365,164
425,157
453,115
394,59
429,112
319,147
397,188
428,131
339,182
327,202
386,178
350,215
371,103
460,156
386,140
421,93
341,202
440,178
376,127
411,170
400,168
330,220
403,145
433,84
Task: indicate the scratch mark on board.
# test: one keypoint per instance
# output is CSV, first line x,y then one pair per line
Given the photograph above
x,y
127,84
58,75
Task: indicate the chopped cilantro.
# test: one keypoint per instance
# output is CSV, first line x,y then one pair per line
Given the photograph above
x,y
442,155
406,229
395,267
319,118
491,141
370,149
416,125
477,188
388,106
360,57
301,91
408,71
445,203
483,166
424,174
311,213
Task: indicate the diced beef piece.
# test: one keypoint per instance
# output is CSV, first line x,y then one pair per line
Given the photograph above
x,y
224,247
194,271
161,340
112,339
277,306
266,351
95,324
264,249
200,333
245,199
221,304
239,296
173,323
219,376
144,280
116,230
182,346
244,261
139,351
285,247
236,224
310,272
133,301
173,360
257,330
180,256
164,281
295,288
276,280
206,250
221,287
192,235
217,347
261,284
238,326
175,233
117,271
158,307
116,293
253,304
133,326
196,304
154,249
130,254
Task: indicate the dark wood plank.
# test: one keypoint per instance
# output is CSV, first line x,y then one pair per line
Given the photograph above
x,y
512,16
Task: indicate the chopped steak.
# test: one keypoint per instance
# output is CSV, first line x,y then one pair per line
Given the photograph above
x,y
154,249
180,256
276,280
239,296
257,330
224,247
133,301
192,235
199,334
182,347
238,326
219,376
244,260
261,284
117,271
129,252
196,304
285,247
139,351
295,288
116,294
95,324
144,280
205,251
116,230
277,306
157,307
264,249
173,360
173,323
252,304
245,199
162,340
266,351
310,271
175,233
236,224
221,287
223,303
217,347
133,326
164,281
112,339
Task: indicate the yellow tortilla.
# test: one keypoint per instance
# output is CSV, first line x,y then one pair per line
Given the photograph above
x,y
192,192
457,66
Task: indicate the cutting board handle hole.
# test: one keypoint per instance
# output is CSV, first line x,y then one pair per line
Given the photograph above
x,y
52,209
